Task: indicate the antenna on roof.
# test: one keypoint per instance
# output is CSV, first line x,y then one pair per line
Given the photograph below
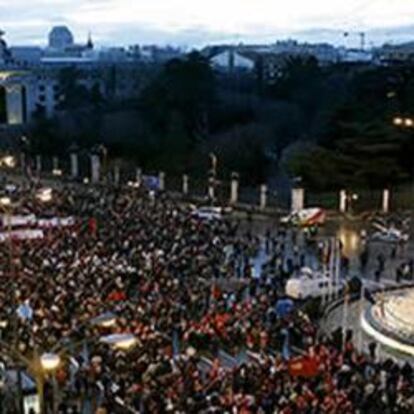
x,y
89,43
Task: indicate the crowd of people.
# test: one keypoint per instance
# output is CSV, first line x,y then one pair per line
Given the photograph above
x,y
185,288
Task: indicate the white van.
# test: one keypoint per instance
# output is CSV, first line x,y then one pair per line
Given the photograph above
x,y
211,213
310,284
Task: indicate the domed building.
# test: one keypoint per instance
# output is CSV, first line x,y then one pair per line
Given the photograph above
x,y
60,38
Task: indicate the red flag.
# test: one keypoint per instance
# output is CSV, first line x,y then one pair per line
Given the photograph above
x,y
305,366
116,296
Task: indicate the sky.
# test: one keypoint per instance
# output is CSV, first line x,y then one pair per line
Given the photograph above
x,y
192,23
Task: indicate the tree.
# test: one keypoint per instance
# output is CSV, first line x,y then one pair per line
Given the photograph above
x,y
44,137
74,94
185,86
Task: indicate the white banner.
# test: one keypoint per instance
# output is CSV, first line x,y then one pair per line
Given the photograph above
x,y
56,222
18,221
22,235
31,221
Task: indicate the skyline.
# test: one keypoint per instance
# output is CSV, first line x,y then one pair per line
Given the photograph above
x,y
186,23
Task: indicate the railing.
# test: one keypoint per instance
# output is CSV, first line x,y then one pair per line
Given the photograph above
x,y
401,197
332,306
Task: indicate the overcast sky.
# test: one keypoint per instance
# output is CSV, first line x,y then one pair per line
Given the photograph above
x,y
195,22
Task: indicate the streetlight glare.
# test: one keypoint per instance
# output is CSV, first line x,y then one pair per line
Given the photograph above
x,y
5,201
409,122
398,121
8,161
403,122
49,361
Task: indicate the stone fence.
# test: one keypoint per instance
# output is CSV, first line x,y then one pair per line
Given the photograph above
x,y
98,171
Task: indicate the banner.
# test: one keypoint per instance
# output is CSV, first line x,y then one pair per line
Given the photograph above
x,y
22,235
31,221
56,222
18,221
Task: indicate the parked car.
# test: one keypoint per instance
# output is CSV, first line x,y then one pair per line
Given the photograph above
x,y
310,284
210,212
390,235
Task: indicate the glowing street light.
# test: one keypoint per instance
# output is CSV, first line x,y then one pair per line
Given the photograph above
x,y
133,184
8,161
409,122
398,121
49,361
403,122
5,201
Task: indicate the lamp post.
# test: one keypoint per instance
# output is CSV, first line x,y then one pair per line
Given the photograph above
x,y
49,363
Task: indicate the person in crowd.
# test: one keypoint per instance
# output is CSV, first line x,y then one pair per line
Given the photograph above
x,y
184,288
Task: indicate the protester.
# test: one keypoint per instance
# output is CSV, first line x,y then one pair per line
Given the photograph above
x,y
185,288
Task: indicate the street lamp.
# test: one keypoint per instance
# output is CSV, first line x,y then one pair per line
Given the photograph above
x,y
8,161
49,361
5,201
409,122
398,121
403,122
